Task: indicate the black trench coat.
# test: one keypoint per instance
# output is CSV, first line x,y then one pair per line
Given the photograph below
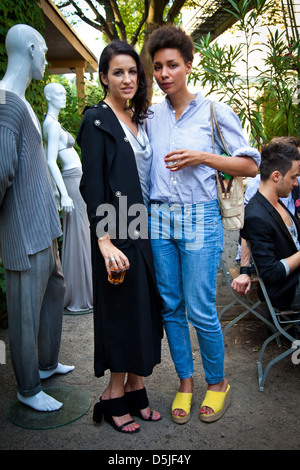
x,y
127,317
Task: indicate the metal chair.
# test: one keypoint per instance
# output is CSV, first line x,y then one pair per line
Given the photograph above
x,y
287,324
251,307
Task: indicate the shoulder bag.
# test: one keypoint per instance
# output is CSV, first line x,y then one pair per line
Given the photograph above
x,y
230,188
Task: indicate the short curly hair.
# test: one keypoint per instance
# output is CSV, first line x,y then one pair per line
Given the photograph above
x,y
170,37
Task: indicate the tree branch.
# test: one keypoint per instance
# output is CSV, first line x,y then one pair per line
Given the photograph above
x,y
134,38
99,24
107,17
175,10
110,20
118,19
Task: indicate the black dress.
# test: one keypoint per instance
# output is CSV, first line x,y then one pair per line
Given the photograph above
x,y
127,317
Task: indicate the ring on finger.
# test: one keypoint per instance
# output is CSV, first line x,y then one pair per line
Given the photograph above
x,y
111,259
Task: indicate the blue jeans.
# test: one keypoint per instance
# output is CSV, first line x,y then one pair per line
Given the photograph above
x,y
187,243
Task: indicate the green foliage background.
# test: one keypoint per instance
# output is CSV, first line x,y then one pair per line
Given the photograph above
x,y
266,100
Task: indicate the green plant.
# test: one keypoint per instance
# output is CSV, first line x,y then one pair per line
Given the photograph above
x,y
263,100
219,69
280,85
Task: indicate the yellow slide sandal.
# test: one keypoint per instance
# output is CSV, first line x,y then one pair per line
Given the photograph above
x,y
217,401
183,402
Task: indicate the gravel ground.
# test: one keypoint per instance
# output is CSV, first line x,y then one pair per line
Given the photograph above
x,y
255,420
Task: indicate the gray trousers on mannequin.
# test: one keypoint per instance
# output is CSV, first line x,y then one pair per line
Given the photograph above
x,y
35,310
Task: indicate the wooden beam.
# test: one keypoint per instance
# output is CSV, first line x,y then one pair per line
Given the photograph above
x,y
67,64
58,20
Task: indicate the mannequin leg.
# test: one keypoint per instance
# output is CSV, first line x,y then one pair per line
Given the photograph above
x,y
25,293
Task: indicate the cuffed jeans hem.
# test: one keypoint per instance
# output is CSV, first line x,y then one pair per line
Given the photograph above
x,y
209,382
215,381
30,393
48,368
189,376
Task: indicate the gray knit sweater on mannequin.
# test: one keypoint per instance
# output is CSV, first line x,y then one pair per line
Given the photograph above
x,y
28,215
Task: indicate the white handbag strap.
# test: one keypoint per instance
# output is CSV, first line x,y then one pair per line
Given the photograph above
x,y
225,191
213,117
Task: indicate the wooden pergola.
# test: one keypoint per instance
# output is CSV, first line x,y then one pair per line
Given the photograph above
x,y
66,51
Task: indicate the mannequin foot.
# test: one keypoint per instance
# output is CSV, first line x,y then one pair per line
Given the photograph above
x,y
60,369
40,402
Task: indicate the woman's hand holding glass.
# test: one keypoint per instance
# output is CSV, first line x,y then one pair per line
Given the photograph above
x,y
179,159
115,261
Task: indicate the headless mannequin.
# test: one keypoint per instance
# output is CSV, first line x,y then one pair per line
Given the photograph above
x,y
26,51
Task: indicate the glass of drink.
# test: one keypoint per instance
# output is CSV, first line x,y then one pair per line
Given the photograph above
x,y
115,277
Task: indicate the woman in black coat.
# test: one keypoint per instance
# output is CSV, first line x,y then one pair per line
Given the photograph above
x,y
116,158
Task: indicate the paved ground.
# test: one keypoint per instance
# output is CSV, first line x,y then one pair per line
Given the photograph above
x,y
255,420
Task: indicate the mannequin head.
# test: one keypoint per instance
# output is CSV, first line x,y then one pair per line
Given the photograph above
x,y
55,95
26,50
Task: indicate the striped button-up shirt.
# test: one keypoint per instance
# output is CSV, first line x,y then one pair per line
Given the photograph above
x,y
191,131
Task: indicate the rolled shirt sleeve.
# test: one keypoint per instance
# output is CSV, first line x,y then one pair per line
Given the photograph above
x,y
286,266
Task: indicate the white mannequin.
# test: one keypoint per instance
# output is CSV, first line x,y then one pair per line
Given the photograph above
x,y
59,147
26,51
55,139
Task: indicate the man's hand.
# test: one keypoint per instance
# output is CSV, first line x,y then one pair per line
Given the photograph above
x,y
241,284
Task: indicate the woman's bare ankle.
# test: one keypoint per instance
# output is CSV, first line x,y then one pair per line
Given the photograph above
x,y
186,385
219,387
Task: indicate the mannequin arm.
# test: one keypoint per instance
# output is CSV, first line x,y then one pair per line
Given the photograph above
x,y
52,142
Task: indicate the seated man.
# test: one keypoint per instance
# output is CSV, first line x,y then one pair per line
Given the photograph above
x,y
242,283
273,231
291,202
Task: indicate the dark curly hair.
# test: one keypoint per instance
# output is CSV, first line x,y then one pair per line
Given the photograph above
x,y
170,37
139,103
